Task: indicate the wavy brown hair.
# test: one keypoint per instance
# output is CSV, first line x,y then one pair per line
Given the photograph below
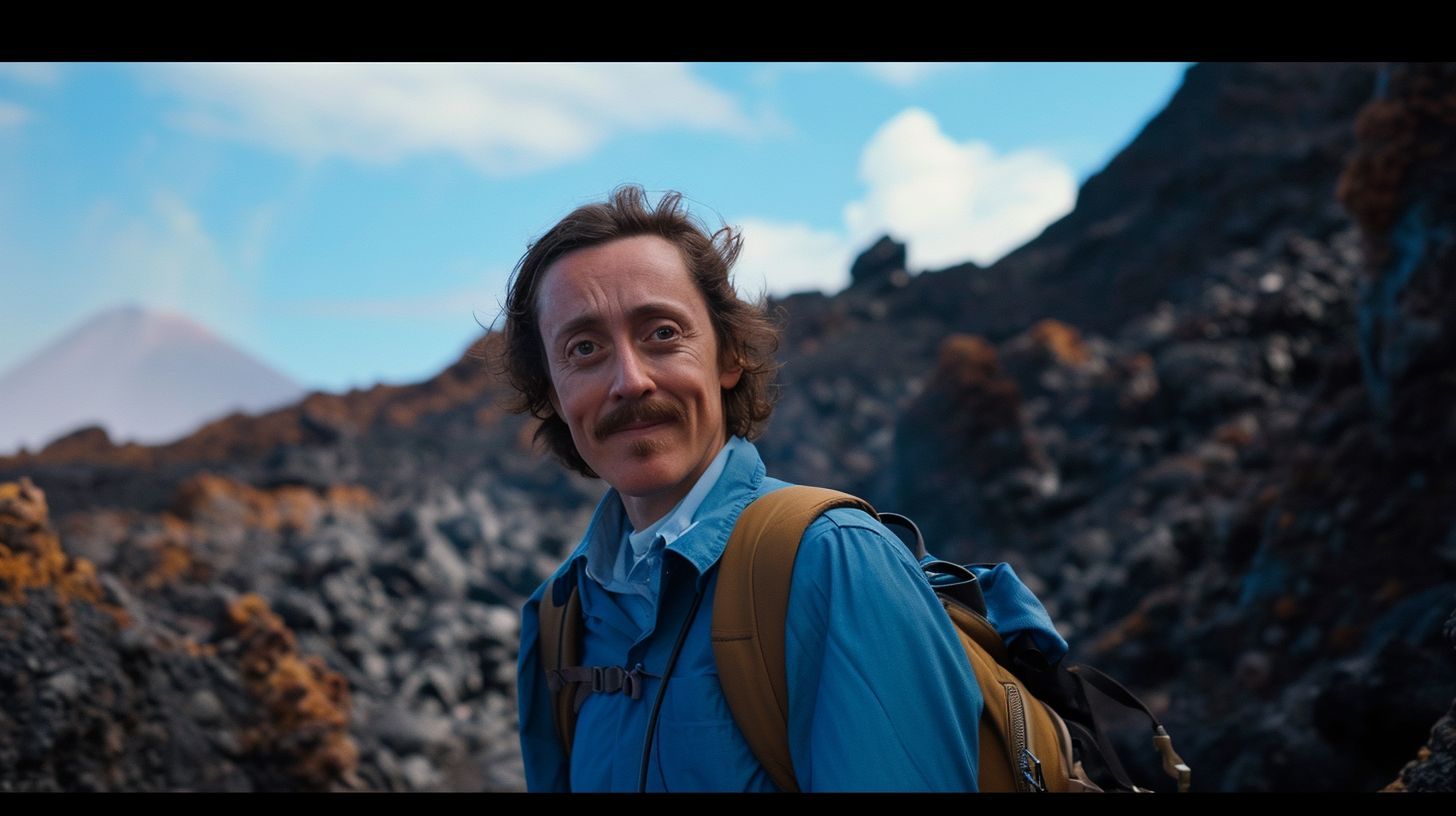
x,y
747,337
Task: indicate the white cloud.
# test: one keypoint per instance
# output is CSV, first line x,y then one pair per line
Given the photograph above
x,y
44,74
500,118
12,115
785,258
951,201
163,256
904,74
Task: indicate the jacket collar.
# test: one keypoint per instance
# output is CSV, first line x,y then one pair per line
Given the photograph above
x,y
702,545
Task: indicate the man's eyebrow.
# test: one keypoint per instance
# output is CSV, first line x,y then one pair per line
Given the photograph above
x,y
646,310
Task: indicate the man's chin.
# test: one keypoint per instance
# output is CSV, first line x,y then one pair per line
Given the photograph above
x,y
643,476
645,447
633,459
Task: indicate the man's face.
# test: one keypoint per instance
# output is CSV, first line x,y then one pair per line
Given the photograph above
x,y
635,368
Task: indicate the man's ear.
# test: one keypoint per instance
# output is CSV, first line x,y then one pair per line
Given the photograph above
x,y
730,376
555,403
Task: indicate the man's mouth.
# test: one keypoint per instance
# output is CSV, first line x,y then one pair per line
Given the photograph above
x,y
638,426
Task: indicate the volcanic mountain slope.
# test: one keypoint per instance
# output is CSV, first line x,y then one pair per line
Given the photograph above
x,y
1156,485
1205,416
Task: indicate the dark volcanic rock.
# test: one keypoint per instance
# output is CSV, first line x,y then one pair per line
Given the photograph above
x,y
880,267
965,455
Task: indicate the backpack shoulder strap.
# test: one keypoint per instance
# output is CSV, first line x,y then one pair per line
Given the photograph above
x,y
560,643
749,611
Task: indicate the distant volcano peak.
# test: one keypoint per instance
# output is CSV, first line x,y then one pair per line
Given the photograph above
x,y
143,373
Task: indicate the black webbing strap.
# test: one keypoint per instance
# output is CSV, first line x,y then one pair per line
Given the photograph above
x,y
1105,753
598,679
1114,690
1095,738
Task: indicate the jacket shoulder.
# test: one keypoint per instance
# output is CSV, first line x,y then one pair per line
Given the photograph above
x,y
837,518
853,524
851,518
856,543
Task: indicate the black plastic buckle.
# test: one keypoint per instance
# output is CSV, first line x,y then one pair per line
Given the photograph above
x,y
607,678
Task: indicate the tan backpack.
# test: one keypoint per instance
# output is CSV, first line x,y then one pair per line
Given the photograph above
x,y
1025,744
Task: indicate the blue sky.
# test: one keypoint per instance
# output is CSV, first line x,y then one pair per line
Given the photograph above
x,y
349,223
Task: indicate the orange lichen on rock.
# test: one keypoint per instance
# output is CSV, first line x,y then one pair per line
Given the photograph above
x,y
1389,591
969,375
1286,608
1131,625
194,649
296,508
1140,377
208,497
1404,128
1159,606
965,358
172,563
355,498
23,505
172,553
969,418
1399,786
1344,639
1236,434
89,444
30,552
305,705
457,385
1062,340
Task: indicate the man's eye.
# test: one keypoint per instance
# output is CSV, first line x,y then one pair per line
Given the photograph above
x,y
583,349
664,333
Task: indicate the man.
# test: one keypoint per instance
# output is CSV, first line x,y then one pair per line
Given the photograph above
x,y
625,336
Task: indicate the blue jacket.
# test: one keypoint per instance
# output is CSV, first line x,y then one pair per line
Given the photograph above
x,y
881,695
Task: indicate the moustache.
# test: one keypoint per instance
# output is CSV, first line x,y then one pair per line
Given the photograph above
x,y
650,410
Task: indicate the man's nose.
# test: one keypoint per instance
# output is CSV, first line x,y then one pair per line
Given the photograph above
x,y
633,379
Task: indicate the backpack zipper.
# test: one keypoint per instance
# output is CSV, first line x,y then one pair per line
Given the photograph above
x,y
1024,763
1016,716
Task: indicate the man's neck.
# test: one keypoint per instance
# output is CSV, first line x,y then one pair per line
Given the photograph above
x,y
644,511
